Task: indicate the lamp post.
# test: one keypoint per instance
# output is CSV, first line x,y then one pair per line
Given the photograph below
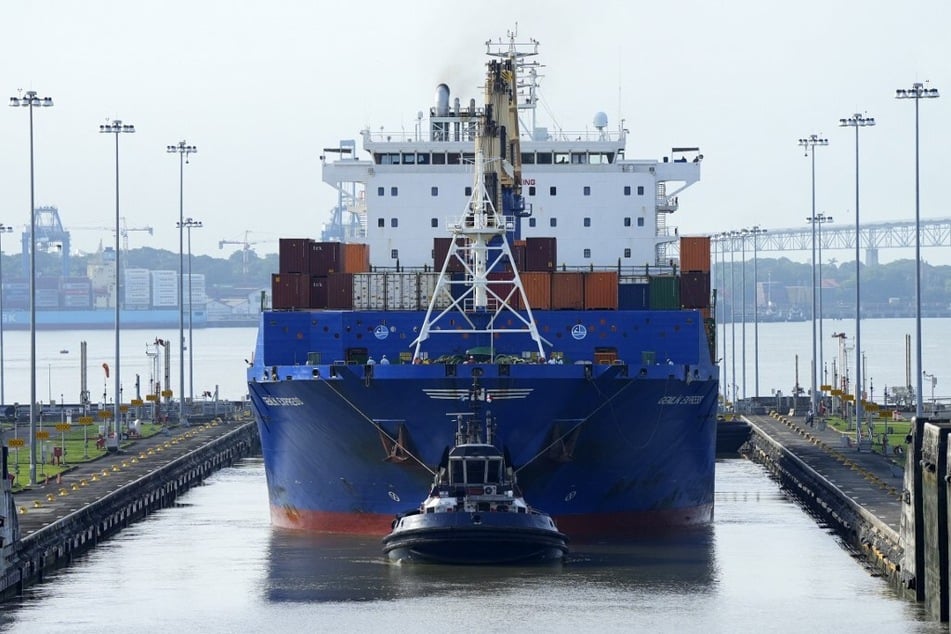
x,y
189,224
115,128
733,235
3,229
723,236
31,100
810,143
743,234
818,219
917,92
183,150
756,231
858,120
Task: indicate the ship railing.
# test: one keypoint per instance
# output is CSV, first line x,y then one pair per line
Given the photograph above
x,y
541,135
472,223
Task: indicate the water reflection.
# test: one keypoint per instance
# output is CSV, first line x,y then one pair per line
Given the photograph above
x,y
309,568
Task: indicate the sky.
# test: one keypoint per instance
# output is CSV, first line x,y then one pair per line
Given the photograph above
x,y
261,87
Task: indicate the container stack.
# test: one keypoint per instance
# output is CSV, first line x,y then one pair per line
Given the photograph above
x,y
317,274
695,273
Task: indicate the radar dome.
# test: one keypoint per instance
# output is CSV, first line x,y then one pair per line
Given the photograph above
x,y
600,120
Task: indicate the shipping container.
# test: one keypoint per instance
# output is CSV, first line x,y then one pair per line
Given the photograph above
x,y
313,291
537,285
541,254
324,257
164,289
664,292
441,250
285,291
356,257
293,255
695,254
402,291
502,284
196,283
340,291
47,297
77,300
600,290
369,291
567,290
634,296
427,286
694,289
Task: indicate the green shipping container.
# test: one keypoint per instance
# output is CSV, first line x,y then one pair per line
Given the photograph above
x,y
665,293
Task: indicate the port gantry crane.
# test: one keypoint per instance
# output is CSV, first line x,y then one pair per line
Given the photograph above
x,y
245,248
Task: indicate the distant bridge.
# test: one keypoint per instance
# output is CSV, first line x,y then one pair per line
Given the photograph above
x,y
872,237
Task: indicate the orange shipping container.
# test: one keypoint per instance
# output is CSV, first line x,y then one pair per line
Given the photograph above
x,y
537,285
600,290
695,254
356,258
567,290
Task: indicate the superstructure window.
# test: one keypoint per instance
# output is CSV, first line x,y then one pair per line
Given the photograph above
x,y
394,222
390,159
627,253
409,159
468,158
552,190
468,191
394,254
544,158
434,191
380,222
528,158
433,222
561,157
531,190
422,159
553,222
627,222
587,190
587,222
640,221
394,191
380,191
587,253
627,190
640,190
439,158
578,158
531,222
453,158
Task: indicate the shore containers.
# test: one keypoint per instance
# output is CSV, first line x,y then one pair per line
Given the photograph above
x,y
664,292
601,290
294,255
694,289
16,295
567,290
695,253
164,289
541,254
137,290
75,292
47,292
195,287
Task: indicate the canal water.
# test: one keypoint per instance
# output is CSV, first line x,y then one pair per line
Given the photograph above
x,y
213,563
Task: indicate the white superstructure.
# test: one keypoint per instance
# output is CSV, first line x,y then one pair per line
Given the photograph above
x,y
602,207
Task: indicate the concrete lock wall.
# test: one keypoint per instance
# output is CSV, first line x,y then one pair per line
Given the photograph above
x,y
912,562
934,493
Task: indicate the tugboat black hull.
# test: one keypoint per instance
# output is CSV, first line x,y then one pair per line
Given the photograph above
x,y
475,539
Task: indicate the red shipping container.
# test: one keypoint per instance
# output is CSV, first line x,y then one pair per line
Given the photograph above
x,y
313,291
340,291
541,254
695,254
567,290
600,290
293,255
285,291
440,250
356,257
502,284
694,289
325,258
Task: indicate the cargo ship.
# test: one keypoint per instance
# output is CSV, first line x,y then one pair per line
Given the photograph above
x,y
542,263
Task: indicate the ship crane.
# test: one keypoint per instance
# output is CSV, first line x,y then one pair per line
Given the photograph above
x,y
480,239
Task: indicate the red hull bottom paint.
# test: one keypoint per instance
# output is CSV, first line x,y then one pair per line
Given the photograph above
x,y
577,527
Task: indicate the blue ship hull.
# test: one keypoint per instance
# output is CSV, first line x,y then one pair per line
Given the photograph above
x,y
606,450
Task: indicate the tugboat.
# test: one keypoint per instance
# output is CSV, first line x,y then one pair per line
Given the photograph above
x,y
475,512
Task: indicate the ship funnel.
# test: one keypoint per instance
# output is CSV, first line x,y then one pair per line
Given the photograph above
x,y
442,100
